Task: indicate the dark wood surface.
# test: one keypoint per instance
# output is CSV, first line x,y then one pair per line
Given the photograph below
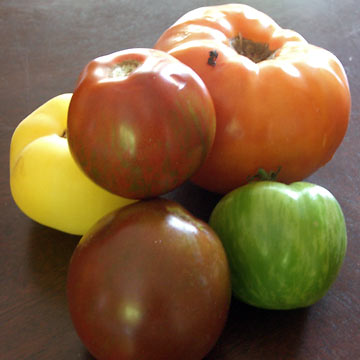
x,y
43,46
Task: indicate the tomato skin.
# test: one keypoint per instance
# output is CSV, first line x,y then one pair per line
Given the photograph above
x,y
149,282
290,110
285,243
140,122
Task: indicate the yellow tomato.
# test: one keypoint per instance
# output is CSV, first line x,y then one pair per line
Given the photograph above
x,y
45,181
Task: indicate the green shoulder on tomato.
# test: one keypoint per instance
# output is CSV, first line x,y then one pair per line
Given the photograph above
x,y
285,243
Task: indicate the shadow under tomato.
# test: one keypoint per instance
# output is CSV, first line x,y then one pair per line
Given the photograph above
x,y
49,253
86,356
253,333
196,200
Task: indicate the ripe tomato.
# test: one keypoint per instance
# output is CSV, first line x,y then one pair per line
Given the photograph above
x,y
285,243
149,282
140,122
279,101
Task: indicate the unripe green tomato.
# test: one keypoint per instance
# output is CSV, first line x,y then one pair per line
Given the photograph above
x,y
285,243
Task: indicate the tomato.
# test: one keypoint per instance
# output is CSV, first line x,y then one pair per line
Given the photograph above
x,y
149,281
140,122
279,101
285,243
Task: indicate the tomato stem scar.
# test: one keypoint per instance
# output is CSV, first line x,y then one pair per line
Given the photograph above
x,y
124,69
255,51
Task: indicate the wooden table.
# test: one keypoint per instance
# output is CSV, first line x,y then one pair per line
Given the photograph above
x,y
43,46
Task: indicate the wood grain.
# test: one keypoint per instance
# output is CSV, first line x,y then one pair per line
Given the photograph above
x,y
44,45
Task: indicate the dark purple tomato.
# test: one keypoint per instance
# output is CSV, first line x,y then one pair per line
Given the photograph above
x,y
149,282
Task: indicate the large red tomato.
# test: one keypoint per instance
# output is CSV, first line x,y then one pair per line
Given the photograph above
x,y
140,122
279,101
149,282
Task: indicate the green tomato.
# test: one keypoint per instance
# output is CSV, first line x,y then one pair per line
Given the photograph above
x,y
285,243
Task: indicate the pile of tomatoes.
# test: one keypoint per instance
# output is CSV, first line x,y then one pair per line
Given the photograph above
x,y
225,96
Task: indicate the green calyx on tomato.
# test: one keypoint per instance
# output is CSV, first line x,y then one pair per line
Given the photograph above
x,y
285,243
263,175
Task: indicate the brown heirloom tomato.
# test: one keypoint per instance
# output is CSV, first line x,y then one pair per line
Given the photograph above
x,y
149,282
279,101
140,122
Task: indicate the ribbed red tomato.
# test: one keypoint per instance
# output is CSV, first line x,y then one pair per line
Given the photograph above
x,y
140,122
279,101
